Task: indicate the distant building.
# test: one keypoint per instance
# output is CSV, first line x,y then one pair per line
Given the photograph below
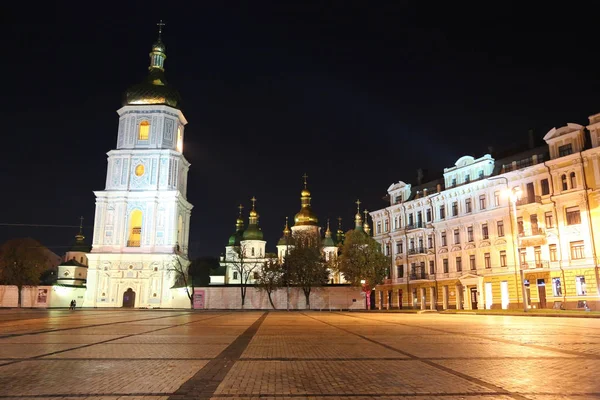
x,y
73,270
456,242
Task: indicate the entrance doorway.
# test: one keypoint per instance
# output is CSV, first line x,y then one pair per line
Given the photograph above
x,y
473,298
489,297
129,298
372,297
541,284
400,299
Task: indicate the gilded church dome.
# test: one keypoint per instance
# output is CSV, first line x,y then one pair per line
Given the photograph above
x,y
306,216
154,90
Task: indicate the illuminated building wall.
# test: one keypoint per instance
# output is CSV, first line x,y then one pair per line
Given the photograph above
x,y
456,242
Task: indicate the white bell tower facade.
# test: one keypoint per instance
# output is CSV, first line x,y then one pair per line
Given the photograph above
x,y
141,226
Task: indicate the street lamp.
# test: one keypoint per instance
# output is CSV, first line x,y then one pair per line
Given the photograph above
x,y
367,293
514,195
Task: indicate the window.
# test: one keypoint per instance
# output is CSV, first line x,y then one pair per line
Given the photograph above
x,y
500,228
179,140
565,150
399,248
497,198
482,202
431,267
455,209
139,170
379,227
484,231
470,237
480,174
573,180
456,236
563,180
573,215
255,275
386,225
442,212
472,262
520,228
135,229
523,256
144,130
410,219
419,219
488,260
537,253
545,187
549,219
556,287
458,264
553,255
580,285
421,243
412,244
398,199
252,251
445,263
428,215
468,205
467,179
503,258
444,238
577,248
387,249
453,181
400,271
235,275
429,241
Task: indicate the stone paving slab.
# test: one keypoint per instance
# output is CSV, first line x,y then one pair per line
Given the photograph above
x,y
317,350
44,338
525,376
411,396
336,377
11,350
127,351
175,339
51,377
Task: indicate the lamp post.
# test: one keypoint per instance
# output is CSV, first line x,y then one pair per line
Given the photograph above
x,y
514,196
367,293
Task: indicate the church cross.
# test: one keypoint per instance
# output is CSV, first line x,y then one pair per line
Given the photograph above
x,y
253,200
365,212
340,222
305,178
160,26
358,205
240,207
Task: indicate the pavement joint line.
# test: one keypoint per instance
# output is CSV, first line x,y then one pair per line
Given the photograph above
x,y
89,326
205,382
501,340
105,341
466,377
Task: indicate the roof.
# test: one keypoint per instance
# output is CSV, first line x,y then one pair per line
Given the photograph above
x,y
73,263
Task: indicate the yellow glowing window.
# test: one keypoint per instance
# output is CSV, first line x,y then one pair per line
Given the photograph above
x,y
144,130
139,170
179,140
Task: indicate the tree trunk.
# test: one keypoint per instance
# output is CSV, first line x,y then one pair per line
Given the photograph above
x,y
243,292
20,300
307,295
270,299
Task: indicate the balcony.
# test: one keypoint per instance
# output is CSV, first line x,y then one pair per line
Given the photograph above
x,y
417,250
418,275
414,226
529,200
133,243
535,264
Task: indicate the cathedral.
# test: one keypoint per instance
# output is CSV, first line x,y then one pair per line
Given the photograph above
x,y
142,216
245,252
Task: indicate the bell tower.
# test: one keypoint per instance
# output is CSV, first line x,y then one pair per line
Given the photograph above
x,y
142,216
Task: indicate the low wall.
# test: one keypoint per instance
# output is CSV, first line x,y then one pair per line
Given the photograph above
x,y
229,297
40,296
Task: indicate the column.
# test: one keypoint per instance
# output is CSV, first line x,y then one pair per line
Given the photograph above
x,y
433,297
445,297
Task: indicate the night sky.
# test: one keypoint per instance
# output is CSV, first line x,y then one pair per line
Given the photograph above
x,y
356,94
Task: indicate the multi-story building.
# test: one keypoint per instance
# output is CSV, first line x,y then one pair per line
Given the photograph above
x,y
493,233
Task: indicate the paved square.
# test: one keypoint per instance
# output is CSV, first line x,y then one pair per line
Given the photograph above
x,y
180,354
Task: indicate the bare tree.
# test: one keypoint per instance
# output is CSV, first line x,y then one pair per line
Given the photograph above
x,y
181,271
305,264
245,266
270,278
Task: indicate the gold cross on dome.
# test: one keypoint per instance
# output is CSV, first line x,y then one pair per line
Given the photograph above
x,y
305,178
253,200
358,205
240,207
340,222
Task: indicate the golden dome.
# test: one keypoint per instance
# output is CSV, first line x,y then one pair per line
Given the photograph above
x,y
253,213
306,216
305,193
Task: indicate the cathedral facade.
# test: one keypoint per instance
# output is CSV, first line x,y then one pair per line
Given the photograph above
x,y
142,216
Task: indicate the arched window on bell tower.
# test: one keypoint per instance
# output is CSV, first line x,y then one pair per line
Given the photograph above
x,y
135,229
144,130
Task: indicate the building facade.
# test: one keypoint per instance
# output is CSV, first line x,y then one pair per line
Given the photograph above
x,y
142,216
518,232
